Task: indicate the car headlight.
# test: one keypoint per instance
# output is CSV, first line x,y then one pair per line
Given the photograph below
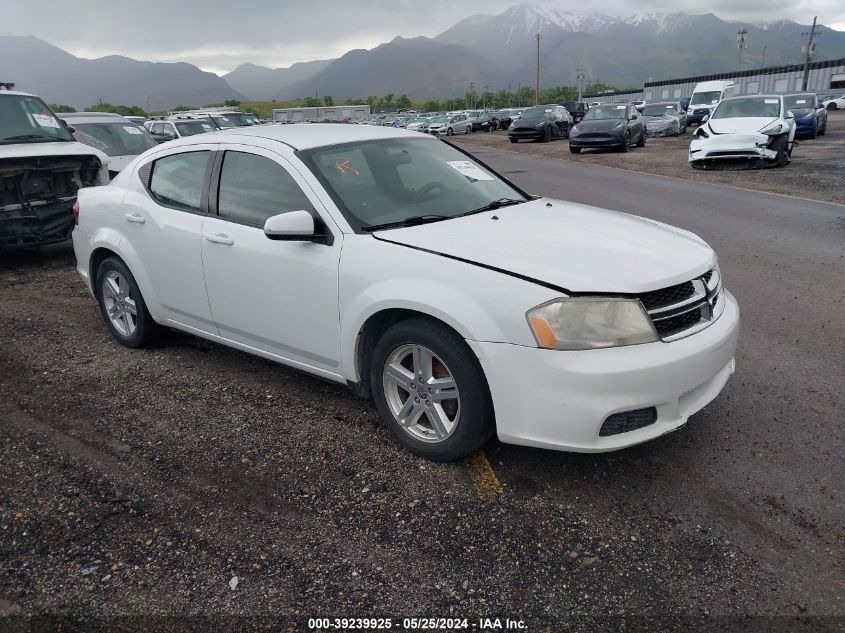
x,y
809,115
701,133
574,130
773,130
580,323
618,125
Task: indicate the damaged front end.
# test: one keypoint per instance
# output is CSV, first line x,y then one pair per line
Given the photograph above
x,y
37,195
732,152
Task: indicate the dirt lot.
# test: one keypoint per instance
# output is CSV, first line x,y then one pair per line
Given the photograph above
x,y
817,170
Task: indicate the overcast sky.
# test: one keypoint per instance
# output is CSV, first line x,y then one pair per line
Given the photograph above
x,y
219,35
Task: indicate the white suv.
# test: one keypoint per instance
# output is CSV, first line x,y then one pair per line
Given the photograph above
x,y
402,267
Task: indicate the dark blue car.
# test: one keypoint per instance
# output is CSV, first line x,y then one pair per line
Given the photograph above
x,y
810,114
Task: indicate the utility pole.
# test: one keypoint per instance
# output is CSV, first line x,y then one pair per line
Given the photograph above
x,y
580,76
537,84
510,96
486,90
469,95
740,44
811,51
763,62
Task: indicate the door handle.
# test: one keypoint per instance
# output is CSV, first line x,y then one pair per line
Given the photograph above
x,y
220,238
135,218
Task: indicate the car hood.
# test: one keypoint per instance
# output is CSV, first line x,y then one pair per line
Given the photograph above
x,y
741,125
570,246
68,148
599,125
801,112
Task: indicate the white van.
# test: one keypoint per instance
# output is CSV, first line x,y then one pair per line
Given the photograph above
x,y
705,96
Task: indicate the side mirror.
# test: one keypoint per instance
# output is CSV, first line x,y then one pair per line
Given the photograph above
x,y
705,118
789,116
293,226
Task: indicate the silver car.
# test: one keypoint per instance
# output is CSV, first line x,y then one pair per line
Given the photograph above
x,y
666,118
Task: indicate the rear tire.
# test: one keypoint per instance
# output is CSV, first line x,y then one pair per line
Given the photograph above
x,y
823,130
122,306
641,142
465,418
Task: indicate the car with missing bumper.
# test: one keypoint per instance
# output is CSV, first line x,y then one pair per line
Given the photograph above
x,y
749,131
403,267
112,134
42,167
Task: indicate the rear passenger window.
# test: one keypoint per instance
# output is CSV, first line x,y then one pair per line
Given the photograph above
x,y
177,180
254,188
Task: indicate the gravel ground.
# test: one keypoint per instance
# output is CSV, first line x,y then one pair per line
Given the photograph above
x,y
817,170
139,486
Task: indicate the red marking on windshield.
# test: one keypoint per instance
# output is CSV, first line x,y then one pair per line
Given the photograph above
x,y
344,167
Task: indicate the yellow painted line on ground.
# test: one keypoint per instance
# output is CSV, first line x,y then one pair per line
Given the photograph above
x,y
483,476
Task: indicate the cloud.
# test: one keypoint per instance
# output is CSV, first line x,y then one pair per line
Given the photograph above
x,y
218,35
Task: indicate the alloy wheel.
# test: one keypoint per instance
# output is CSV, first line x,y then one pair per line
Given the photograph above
x,y
421,393
119,303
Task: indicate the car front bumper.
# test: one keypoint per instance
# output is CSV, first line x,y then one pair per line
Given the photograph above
x,y
596,141
731,147
560,400
527,134
664,130
805,126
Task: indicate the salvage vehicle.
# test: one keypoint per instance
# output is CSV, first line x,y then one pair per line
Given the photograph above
x,y
753,131
705,96
665,119
179,127
576,108
809,112
613,125
449,124
112,134
834,102
541,123
408,270
42,168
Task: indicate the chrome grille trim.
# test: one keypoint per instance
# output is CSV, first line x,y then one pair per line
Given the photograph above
x,y
707,300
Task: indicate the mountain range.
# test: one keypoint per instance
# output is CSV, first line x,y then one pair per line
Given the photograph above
x,y
498,51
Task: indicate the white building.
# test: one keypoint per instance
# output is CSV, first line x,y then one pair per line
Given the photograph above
x,y
322,113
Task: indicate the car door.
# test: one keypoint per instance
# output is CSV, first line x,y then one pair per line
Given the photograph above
x,y
162,229
280,297
635,123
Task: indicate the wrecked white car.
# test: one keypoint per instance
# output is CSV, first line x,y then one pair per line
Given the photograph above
x,y
744,132
41,168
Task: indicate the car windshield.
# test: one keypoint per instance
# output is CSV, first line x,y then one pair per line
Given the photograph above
x,y
535,114
743,107
189,128
604,112
222,122
800,101
120,138
439,119
658,109
712,96
27,119
392,180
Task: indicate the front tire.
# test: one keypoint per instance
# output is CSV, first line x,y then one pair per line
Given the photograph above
x,y
512,139
626,143
430,390
450,132
574,150
122,306
641,142
547,135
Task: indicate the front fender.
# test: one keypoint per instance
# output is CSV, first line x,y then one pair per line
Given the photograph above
x,y
478,303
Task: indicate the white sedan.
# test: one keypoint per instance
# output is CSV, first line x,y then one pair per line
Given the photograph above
x,y
400,266
835,102
755,130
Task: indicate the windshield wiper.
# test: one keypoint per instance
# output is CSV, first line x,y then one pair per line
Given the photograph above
x,y
492,206
29,137
414,220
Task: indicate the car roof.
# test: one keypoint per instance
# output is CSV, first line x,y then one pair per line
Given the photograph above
x,y
317,134
16,93
92,117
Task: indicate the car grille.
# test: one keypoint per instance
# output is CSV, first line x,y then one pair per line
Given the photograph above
x,y
680,310
628,421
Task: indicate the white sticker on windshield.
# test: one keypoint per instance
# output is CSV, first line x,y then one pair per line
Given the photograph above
x,y
771,101
132,129
800,101
473,172
621,107
45,120
714,101
670,107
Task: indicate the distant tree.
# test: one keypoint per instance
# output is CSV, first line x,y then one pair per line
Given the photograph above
x,y
388,98
60,107
232,103
403,102
431,106
117,109
182,108
310,102
328,100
